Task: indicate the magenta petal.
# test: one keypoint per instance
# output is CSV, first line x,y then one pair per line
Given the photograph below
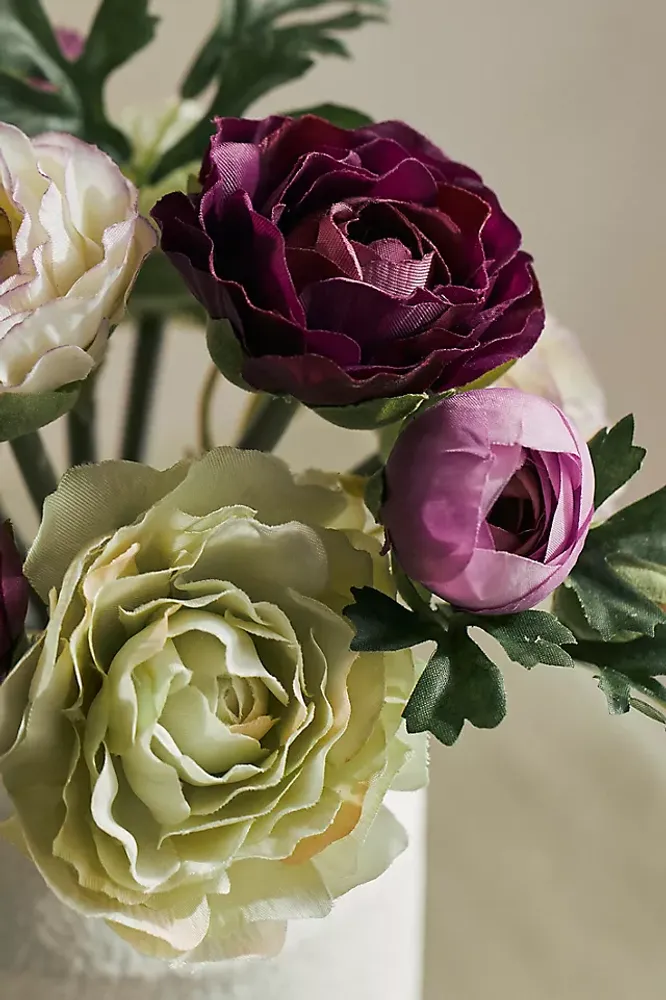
x,y
262,269
364,313
489,499
371,235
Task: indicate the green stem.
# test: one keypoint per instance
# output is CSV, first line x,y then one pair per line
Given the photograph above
x,y
149,343
418,600
369,466
81,426
270,422
204,434
36,468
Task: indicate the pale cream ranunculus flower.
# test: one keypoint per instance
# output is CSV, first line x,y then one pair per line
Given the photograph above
x,y
71,244
557,369
192,750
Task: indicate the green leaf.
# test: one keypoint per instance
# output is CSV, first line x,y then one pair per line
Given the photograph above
x,y
459,684
622,693
255,47
275,8
23,413
226,351
531,637
637,658
484,381
382,624
610,605
32,14
603,581
121,29
648,578
617,691
337,114
374,492
34,110
616,459
24,54
627,671
372,414
28,47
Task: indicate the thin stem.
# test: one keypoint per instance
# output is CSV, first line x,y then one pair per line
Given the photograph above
x,y
269,423
369,466
204,434
418,599
149,343
81,426
35,466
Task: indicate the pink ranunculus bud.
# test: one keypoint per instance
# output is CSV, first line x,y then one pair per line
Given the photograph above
x,y
71,42
489,498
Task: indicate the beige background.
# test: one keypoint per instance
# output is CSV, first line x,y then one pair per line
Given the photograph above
x,y
547,875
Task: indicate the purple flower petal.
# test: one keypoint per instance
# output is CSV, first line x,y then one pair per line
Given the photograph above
x,y
368,247
489,497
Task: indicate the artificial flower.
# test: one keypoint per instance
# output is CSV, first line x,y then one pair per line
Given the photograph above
x,y
193,752
557,369
489,498
152,133
13,598
71,42
71,244
352,264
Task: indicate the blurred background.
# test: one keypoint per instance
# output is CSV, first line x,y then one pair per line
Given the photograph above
x,y
546,870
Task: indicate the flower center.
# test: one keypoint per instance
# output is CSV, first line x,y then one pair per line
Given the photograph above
x,y
6,238
10,221
515,520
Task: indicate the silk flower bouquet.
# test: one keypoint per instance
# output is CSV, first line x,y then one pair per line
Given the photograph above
x,y
217,685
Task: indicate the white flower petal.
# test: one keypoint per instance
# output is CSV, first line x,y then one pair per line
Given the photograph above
x,y
78,243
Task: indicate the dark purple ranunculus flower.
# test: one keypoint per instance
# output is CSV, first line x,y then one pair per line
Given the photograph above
x,y
13,598
352,264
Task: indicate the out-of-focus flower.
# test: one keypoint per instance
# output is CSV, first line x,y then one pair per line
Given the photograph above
x,y
192,750
13,598
489,497
71,244
557,369
152,134
353,265
71,42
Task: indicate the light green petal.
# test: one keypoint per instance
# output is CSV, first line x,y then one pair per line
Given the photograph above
x,y
271,890
365,694
14,698
90,502
164,933
227,476
150,867
197,745
266,560
241,657
155,783
413,775
383,843
230,938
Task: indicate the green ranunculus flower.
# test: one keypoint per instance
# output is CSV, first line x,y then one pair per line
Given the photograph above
x,y
192,751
